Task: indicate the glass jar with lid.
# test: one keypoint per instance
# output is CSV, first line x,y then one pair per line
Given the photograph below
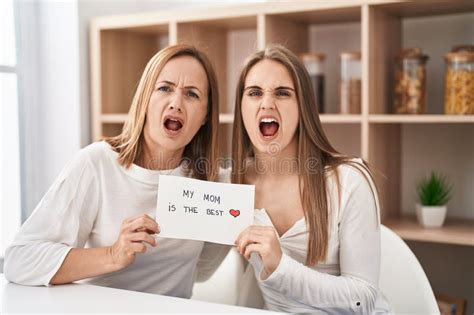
x,y
350,84
314,64
410,82
459,48
459,83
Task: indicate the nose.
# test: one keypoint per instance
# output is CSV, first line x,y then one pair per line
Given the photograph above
x,y
176,103
268,102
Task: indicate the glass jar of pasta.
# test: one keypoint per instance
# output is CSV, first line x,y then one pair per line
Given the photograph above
x,y
410,82
459,83
459,48
350,85
314,63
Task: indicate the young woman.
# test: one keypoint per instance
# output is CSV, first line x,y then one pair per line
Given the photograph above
x,y
315,245
105,199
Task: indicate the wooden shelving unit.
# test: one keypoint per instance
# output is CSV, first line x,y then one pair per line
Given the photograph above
x,y
121,46
454,231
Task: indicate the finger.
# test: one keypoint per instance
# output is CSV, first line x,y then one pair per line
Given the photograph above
x,y
138,247
142,237
142,224
252,238
253,248
263,229
241,234
244,232
128,220
144,215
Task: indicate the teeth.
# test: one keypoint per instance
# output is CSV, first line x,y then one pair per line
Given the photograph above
x,y
268,120
172,119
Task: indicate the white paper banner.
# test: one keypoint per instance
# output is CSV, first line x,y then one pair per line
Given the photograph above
x,y
200,210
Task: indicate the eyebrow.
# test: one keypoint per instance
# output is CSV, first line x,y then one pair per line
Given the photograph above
x,y
186,87
278,88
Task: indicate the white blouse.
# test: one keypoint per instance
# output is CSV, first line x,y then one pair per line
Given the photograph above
x,y
85,207
346,283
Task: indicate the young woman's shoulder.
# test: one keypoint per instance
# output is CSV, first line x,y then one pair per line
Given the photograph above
x,y
354,173
358,190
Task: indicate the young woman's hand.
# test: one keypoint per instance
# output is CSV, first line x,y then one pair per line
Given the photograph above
x,y
264,241
135,232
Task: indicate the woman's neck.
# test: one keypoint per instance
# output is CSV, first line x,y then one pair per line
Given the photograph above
x,y
281,163
154,157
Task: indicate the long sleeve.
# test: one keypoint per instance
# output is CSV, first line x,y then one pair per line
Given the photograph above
x,y
61,221
355,290
210,259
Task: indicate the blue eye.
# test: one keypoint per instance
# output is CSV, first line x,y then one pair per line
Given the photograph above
x,y
164,88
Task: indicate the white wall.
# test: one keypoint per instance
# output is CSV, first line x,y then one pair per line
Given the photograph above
x,y
49,83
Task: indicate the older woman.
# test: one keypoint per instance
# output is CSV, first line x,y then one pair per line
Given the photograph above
x,y
96,221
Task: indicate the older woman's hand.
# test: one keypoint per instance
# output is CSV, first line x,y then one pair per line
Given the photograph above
x,y
134,233
263,240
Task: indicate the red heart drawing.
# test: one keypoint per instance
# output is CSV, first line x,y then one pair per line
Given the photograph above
x,y
234,213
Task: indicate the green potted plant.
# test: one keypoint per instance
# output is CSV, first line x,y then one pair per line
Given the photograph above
x,y
433,193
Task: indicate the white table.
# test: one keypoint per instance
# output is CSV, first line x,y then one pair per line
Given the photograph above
x,y
85,298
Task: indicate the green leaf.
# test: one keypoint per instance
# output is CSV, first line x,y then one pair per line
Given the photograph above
x,y
434,190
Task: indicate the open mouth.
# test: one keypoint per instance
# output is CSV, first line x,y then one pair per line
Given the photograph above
x,y
269,127
173,125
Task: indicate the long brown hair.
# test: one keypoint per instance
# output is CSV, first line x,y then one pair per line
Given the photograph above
x,y
312,145
202,151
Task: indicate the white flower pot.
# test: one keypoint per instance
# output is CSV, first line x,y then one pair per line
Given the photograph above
x,y
431,216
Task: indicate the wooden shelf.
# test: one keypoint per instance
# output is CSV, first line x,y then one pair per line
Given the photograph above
x,y
454,231
338,118
422,119
228,118
122,45
424,8
113,118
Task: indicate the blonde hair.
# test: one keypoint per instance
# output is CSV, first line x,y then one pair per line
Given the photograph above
x,y
313,145
202,151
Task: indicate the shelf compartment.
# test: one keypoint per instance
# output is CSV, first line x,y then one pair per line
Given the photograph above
x,y
111,129
328,31
227,42
124,54
454,231
345,137
433,26
446,148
